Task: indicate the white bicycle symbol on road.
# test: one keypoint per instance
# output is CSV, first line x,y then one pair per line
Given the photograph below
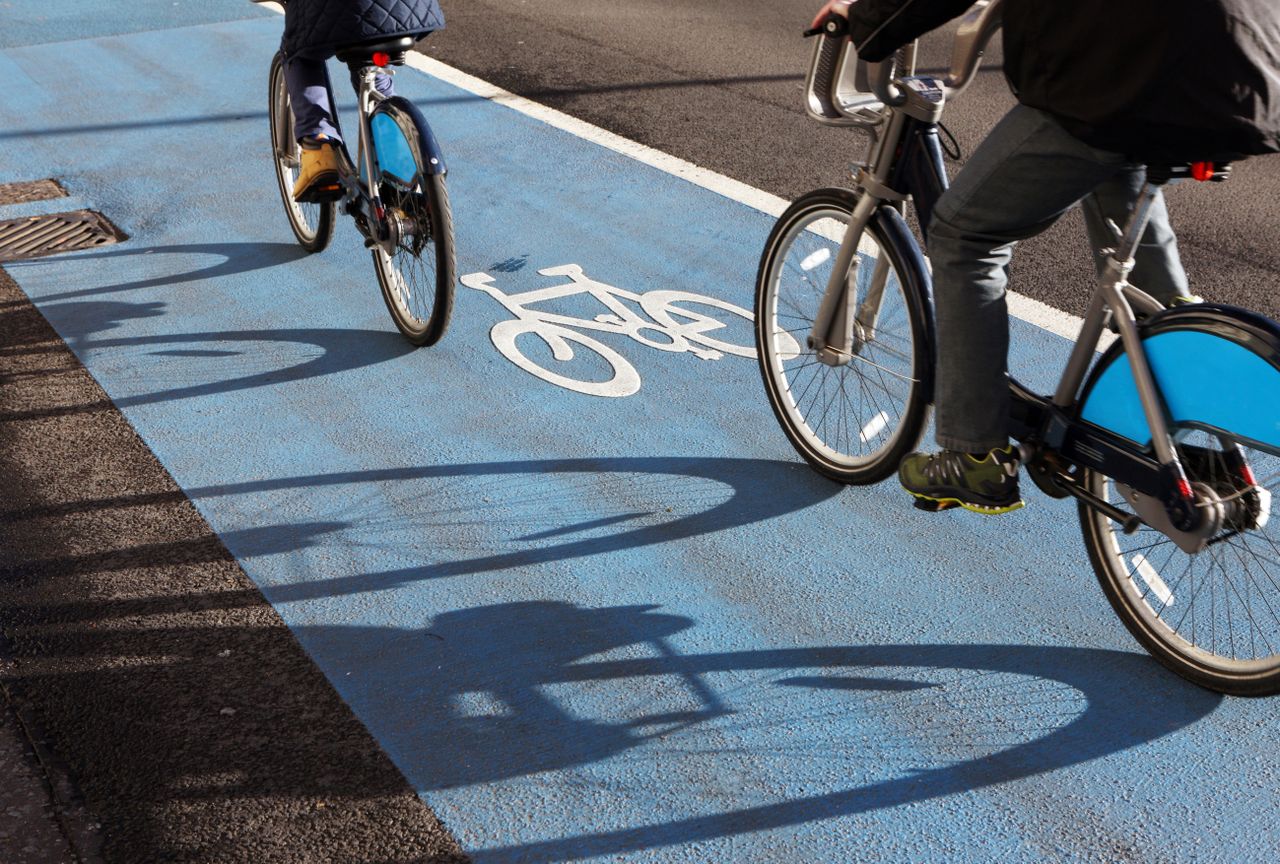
x,y
671,326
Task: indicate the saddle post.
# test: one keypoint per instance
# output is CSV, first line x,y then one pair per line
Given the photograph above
x,y
365,90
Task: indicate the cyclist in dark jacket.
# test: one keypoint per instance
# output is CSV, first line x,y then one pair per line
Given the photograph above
x,y
313,29
1104,87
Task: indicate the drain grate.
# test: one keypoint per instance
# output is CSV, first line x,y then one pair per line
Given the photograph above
x,y
57,232
34,190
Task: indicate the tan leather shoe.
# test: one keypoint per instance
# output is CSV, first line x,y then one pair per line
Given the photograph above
x,y
318,180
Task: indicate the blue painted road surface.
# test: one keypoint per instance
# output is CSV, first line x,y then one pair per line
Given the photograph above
x,y
589,627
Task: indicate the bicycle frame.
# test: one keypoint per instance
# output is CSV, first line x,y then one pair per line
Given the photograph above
x,y
362,199
905,161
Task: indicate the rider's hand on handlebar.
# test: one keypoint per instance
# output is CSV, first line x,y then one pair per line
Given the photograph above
x,y
831,7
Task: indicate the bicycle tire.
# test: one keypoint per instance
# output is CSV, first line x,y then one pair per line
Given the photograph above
x,y
417,279
312,224
892,370
1212,617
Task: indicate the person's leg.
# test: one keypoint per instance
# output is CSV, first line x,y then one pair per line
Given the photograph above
x,y
1157,265
1024,176
315,130
308,87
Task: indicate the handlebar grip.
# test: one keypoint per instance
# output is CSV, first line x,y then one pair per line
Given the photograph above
x,y
824,73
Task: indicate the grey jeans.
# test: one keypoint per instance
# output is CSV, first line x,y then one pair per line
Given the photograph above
x,y
1024,176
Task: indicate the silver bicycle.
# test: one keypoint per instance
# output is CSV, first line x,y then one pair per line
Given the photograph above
x,y
403,213
1169,441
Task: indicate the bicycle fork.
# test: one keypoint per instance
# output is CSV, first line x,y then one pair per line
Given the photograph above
x,y
842,325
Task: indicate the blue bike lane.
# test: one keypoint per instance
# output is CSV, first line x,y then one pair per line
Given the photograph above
x,y
589,626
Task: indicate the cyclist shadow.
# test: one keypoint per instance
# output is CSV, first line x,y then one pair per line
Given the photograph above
x,y
233,360
517,689
236,258
685,494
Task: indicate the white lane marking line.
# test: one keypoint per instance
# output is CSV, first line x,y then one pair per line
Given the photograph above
x,y
813,259
1032,311
874,428
1153,580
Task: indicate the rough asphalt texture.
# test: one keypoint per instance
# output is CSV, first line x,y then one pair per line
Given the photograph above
x,y
29,828
190,719
722,84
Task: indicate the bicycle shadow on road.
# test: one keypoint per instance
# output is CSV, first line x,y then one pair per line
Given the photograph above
x,y
237,258
221,361
536,690
680,498
684,497
513,690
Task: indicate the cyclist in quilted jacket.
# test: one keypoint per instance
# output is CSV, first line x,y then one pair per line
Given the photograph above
x,y
313,30
1104,88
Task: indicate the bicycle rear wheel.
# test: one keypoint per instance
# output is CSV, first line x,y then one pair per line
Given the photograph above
x,y
312,224
418,274
1212,617
852,423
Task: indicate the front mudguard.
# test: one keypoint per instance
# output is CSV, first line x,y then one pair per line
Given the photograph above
x,y
915,272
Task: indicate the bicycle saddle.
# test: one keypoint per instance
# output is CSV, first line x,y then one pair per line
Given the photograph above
x,y
361,53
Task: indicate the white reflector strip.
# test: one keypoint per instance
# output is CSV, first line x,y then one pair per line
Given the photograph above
x,y
813,259
875,427
1264,505
1153,580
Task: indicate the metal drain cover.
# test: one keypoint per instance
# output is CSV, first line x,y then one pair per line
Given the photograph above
x,y
33,190
58,232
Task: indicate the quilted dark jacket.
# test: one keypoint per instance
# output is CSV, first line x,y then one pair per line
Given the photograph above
x,y
1158,80
315,27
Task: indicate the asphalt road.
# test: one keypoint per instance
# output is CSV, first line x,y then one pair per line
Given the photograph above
x,y
721,83
575,627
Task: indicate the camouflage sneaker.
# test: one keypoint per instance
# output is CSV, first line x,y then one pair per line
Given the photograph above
x,y
950,479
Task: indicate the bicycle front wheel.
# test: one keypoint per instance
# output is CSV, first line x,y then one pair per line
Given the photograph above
x,y
854,422
417,274
312,224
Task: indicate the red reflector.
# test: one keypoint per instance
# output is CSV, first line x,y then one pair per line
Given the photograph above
x,y
1246,474
382,59
1184,489
1202,170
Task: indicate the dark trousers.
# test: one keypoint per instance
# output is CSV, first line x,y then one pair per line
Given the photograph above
x,y
308,85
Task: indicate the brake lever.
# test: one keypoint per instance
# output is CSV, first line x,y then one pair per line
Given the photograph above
x,y
833,25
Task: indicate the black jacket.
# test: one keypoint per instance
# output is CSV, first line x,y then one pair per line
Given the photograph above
x,y
1158,80
315,27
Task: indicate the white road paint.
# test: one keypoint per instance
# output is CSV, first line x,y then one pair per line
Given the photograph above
x,y
813,259
674,323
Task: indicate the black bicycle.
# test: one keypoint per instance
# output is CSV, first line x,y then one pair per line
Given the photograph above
x,y
403,214
1169,442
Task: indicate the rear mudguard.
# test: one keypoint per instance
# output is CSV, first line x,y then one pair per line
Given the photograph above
x,y
393,151
1217,367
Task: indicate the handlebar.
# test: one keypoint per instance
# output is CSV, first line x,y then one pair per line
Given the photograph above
x,y
846,91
